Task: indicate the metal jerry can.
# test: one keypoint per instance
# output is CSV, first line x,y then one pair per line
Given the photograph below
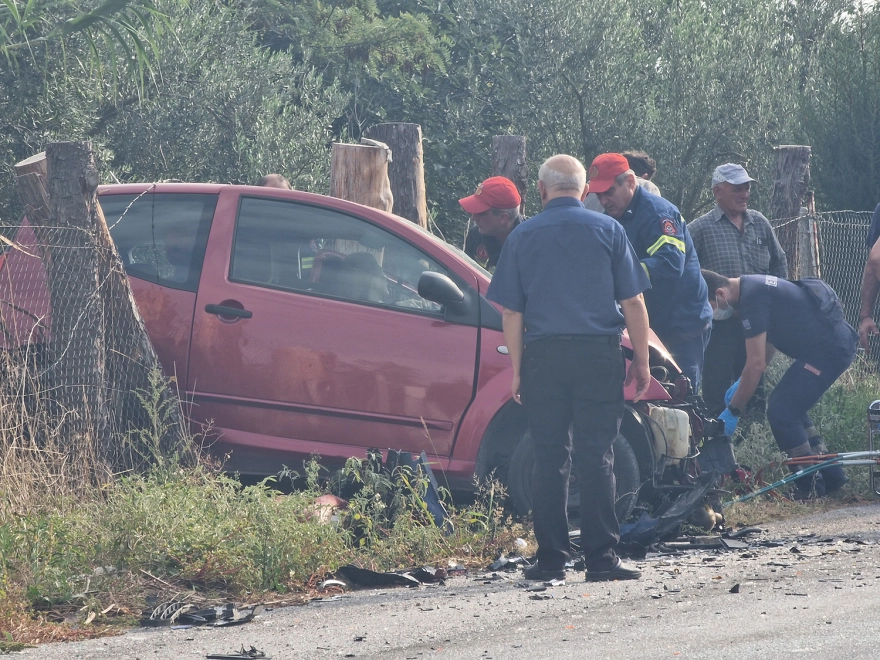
x,y
874,435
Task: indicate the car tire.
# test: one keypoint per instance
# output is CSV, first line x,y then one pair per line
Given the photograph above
x,y
626,473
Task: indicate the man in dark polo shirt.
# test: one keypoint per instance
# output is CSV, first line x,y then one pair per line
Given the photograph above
x,y
677,305
494,209
560,278
803,320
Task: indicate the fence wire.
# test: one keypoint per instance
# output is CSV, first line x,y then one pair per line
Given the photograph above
x,y
78,374
839,249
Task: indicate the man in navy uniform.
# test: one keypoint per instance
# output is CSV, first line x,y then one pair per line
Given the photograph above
x,y
803,320
678,307
494,209
560,278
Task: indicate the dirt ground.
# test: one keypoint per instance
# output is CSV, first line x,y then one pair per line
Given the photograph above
x,y
807,587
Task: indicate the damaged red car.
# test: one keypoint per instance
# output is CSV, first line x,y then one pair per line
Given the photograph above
x,y
300,324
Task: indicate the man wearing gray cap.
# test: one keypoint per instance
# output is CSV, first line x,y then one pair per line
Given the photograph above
x,y
732,240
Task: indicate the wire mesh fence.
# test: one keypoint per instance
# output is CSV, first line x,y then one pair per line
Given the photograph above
x,y
80,391
837,242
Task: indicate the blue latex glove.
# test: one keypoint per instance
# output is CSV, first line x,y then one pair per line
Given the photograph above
x,y
728,396
730,421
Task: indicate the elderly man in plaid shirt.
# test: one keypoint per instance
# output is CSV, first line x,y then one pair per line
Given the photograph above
x,y
732,240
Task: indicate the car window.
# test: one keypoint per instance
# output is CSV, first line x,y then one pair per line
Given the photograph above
x,y
313,250
161,237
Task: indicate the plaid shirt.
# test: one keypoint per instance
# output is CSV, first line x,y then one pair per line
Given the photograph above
x,y
723,248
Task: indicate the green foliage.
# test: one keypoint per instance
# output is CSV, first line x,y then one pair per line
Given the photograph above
x,y
841,109
123,30
201,530
223,109
840,417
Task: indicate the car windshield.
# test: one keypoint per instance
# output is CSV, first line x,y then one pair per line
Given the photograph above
x,y
461,253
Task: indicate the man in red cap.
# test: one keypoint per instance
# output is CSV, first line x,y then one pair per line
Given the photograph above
x,y
677,302
494,208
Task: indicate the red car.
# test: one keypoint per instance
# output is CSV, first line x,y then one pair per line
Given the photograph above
x,y
301,324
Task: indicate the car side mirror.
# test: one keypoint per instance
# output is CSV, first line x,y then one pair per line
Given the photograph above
x,y
438,288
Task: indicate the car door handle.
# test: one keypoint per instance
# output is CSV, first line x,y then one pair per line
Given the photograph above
x,y
223,310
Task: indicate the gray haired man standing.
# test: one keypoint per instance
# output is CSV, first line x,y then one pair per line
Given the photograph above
x,y
732,240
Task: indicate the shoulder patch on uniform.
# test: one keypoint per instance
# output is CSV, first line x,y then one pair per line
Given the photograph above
x,y
770,280
667,226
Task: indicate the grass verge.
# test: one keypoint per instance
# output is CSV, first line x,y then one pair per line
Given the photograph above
x,y
196,534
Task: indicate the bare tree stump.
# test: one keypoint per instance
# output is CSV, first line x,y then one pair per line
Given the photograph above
x,y
406,170
359,173
99,354
509,160
790,183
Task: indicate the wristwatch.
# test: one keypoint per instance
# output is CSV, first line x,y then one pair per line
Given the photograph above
x,y
736,412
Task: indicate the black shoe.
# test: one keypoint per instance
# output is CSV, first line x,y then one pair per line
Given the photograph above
x,y
834,478
809,487
533,572
619,572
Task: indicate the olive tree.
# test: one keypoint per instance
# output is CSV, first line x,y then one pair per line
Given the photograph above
x,y
841,106
222,108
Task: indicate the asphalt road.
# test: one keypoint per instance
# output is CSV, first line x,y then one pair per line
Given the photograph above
x,y
814,596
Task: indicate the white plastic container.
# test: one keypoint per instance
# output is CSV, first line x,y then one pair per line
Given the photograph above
x,y
672,430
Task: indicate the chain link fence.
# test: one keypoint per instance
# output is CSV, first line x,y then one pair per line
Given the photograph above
x,y
831,246
80,393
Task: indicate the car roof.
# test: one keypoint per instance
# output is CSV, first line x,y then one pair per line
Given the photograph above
x,y
401,224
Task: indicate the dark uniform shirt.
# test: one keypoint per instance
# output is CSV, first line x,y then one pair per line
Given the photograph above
x,y
565,269
678,300
791,319
874,230
485,250
723,248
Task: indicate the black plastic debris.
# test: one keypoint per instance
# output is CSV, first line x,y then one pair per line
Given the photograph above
x,y
428,574
245,654
637,537
178,614
507,563
734,589
364,577
738,534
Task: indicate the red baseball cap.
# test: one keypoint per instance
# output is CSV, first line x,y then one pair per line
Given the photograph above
x,y
496,192
606,168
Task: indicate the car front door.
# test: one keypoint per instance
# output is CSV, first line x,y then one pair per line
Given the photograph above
x,y
310,337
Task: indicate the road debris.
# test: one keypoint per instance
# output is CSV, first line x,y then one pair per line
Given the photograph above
x,y
356,576
245,654
180,614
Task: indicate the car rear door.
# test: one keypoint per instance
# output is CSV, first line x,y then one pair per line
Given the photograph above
x,y
309,336
161,239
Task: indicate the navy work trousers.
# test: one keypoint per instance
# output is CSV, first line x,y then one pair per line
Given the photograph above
x,y
800,388
577,382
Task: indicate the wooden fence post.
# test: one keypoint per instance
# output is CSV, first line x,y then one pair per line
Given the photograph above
x,y
99,355
509,160
790,182
359,173
406,171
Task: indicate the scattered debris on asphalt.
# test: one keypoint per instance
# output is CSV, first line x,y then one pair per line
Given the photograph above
x,y
245,654
180,614
355,576
332,583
